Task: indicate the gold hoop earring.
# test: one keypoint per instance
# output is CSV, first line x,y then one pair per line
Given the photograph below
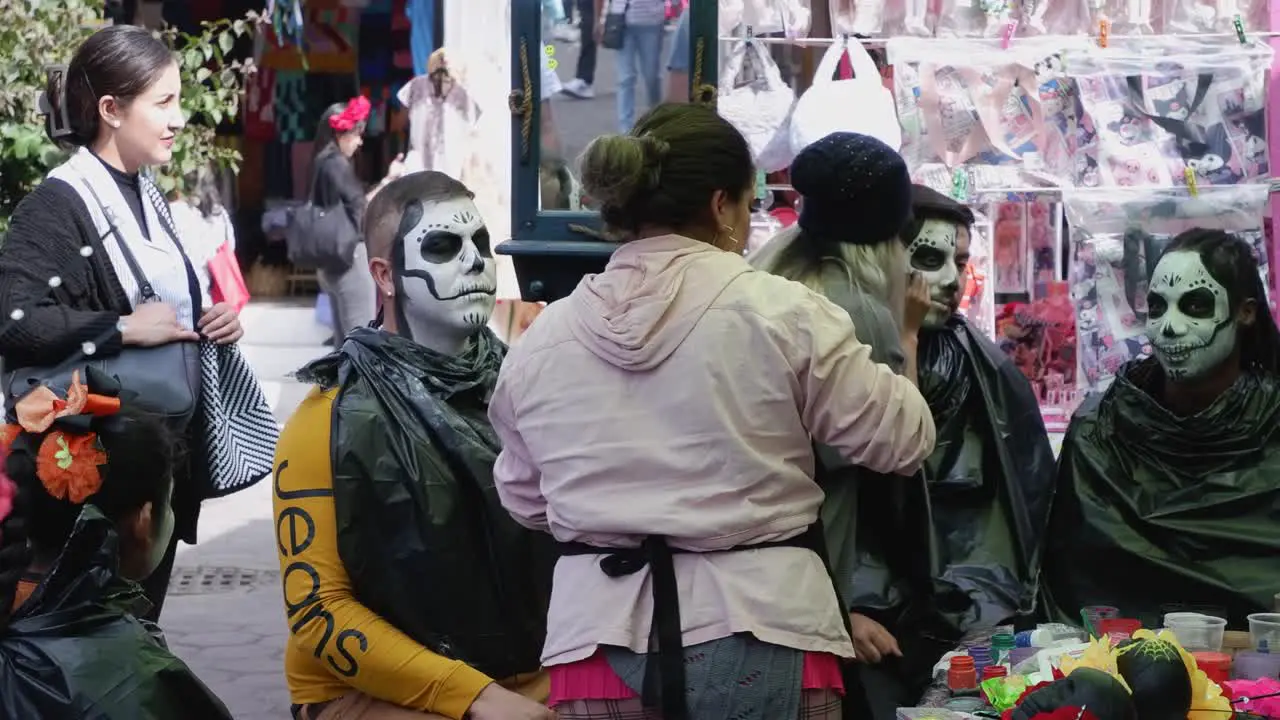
x,y
728,230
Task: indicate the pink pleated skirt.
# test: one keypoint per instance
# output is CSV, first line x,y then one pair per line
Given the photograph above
x,y
594,679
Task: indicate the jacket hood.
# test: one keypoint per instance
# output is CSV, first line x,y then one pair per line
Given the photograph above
x,y
649,298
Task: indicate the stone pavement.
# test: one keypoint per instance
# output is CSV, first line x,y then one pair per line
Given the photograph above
x,y
225,613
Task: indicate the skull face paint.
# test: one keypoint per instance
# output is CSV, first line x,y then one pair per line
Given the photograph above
x,y
1189,318
445,274
933,254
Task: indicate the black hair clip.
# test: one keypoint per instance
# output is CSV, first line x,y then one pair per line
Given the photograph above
x,y
61,124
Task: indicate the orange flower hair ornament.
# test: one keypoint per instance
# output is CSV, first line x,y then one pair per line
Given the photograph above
x,y
67,462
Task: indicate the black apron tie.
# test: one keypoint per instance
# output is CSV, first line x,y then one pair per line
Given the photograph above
x,y
664,677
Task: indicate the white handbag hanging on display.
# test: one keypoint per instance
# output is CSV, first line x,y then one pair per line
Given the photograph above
x,y
753,97
862,104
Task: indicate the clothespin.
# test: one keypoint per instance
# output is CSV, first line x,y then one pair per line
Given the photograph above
x,y
1104,31
1239,25
1190,174
960,185
1006,35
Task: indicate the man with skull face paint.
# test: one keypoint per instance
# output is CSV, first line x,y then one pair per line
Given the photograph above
x,y
408,587
1167,487
991,476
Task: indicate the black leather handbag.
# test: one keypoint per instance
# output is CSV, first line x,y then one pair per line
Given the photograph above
x,y
321,238
615,26
164,380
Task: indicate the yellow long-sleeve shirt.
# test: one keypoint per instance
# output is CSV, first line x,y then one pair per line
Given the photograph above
x,y
337,645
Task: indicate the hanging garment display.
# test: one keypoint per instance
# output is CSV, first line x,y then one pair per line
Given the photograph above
x,y
442,117
993,18
860,103
259,105
755,99
790,17
1147,110
291,119
329,36
1116,237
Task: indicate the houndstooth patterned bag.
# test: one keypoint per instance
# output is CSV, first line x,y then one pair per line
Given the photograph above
x,y
239,431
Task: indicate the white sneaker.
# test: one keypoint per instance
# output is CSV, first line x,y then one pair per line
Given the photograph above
x,y
564,32
579,89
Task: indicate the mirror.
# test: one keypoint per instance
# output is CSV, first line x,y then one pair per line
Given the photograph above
x,y
598,76
566,90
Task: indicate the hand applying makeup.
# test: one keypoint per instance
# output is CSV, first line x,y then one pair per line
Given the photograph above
x,y
221,324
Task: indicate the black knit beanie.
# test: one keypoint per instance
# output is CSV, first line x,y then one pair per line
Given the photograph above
x,y
856,189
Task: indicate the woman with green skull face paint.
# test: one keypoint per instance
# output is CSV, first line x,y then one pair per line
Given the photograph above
x,y
88,517
1167,483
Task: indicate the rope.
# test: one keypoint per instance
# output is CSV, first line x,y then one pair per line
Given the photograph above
x,y
702,93
521,102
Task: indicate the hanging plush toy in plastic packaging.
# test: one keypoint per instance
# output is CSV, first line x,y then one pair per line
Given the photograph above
x,y
1149,109
1116,238
963,103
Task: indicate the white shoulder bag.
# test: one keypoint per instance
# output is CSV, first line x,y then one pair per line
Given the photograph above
x,y
753,97
862,104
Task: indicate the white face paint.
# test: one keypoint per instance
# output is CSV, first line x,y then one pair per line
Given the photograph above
x,y
1189,318
449,279
933,254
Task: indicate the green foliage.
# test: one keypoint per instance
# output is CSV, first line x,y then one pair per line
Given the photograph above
x,y
33,34
212,87
38,33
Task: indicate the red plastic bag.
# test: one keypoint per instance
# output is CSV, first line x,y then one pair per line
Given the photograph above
x,y
226,282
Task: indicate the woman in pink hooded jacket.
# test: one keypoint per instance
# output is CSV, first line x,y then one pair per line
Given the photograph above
x,y
659,423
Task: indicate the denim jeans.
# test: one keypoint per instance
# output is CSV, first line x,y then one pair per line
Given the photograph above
x,y
640,57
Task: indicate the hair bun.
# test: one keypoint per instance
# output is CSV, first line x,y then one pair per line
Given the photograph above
x,y
617,169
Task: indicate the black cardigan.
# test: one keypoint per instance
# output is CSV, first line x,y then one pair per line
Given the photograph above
x,y
46,234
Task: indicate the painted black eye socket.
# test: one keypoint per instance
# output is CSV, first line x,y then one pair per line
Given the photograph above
x,y
440,247
1198,303
1156,306
928,258
481,239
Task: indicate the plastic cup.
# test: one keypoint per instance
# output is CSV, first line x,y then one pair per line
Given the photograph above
x,y
1123,626
1197,632
1265,626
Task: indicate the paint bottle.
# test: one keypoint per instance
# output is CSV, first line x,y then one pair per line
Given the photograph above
x,y
1001,644
962,678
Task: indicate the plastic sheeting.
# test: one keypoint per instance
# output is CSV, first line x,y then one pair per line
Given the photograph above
x,y
1156,511
421,532
75,650
990,477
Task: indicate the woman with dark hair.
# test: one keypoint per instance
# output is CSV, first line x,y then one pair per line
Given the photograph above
x,y
92,266
91,517
1167,490
850,245
335,184
685,505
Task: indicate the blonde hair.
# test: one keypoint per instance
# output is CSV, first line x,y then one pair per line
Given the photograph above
x,y
879,270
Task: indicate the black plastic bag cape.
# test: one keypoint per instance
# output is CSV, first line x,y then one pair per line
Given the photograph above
x,y
421,532
991,477
881,545
75,651
1156,512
